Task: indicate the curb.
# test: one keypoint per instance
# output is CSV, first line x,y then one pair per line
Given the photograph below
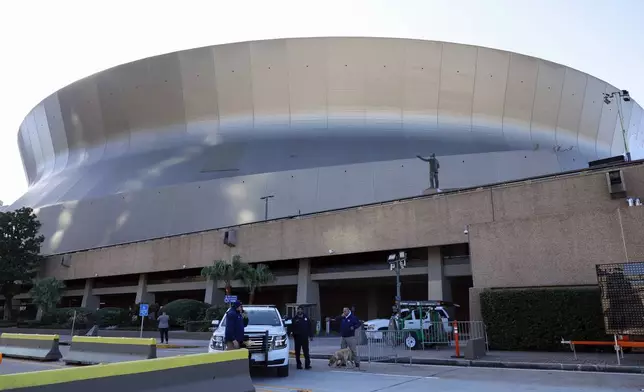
x,y
170,346
573,367
162,346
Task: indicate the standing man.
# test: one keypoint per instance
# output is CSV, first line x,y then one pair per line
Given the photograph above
x,y
164,326
433,170
348,331
234,335
302,334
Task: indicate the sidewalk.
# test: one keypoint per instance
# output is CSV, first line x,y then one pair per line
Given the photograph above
x,y
323,348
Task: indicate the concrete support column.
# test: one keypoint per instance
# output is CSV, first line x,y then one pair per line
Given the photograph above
x,y
475,304
89,300
214,296
447,290
308,291
434,274
372,303
142,295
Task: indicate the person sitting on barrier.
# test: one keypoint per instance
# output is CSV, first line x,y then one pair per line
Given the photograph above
x,y
164,326
234,335
348,327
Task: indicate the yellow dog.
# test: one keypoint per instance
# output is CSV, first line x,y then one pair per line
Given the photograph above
x,y
342,357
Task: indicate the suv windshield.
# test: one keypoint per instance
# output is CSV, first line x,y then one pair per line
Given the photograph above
x,y
260,317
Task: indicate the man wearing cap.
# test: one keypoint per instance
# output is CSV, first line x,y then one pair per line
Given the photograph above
x,y
234,335
302,334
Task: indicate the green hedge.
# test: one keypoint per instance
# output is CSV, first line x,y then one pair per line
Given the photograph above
x,y
108,317
537,319
184,310
65,316
215,312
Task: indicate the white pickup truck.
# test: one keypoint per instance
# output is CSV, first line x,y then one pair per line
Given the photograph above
x,y
427,322
265,338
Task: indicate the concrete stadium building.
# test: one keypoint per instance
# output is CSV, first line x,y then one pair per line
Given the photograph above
x,y
137,172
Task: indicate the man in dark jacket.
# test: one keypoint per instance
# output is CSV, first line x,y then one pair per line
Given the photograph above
x,y
234,335
348,331
302,334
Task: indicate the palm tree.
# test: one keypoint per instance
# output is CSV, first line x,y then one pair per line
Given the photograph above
x,y
256,277
224,271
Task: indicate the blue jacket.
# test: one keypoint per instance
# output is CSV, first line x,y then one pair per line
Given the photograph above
x,y
234,326
349,326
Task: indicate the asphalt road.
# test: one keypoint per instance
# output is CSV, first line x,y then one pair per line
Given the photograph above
x,y
401,378
405,378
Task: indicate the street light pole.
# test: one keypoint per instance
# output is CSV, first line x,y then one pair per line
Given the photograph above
x,y
265,198
623,94
397,261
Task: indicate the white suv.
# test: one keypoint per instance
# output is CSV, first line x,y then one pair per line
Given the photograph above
x,y
265,337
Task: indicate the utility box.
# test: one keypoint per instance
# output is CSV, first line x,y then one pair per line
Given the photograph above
x,y
616,184
230,238
475,349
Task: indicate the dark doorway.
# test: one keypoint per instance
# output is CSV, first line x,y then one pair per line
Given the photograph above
x,y
461,295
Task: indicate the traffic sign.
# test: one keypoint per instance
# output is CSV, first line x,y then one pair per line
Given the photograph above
x,y
229,299
143,310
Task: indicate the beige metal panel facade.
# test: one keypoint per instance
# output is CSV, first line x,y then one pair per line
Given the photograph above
x,y
421,85
190,140
269,78
591,117
346,66
199,85
547,99
489,93
307,65
234,89
113,95
384,85
458,71
519,101
569,118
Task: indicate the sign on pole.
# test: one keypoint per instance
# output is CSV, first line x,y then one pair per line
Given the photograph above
x,y
229,299
143,313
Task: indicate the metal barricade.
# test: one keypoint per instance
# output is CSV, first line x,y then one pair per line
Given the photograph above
x,y
396,344
385,346
443,333
468,330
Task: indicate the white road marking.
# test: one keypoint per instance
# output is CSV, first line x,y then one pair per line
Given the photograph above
x,y
383,374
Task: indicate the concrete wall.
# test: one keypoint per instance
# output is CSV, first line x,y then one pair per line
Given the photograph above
x,y
554,250
518,234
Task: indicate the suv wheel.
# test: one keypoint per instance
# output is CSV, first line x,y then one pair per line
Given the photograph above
x,y
411,341
282,371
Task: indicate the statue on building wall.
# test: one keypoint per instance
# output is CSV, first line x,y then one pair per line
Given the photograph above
x,y
433,170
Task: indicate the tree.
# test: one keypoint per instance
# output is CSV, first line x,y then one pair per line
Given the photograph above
x,y
46,293
19,252
224,271
256,277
